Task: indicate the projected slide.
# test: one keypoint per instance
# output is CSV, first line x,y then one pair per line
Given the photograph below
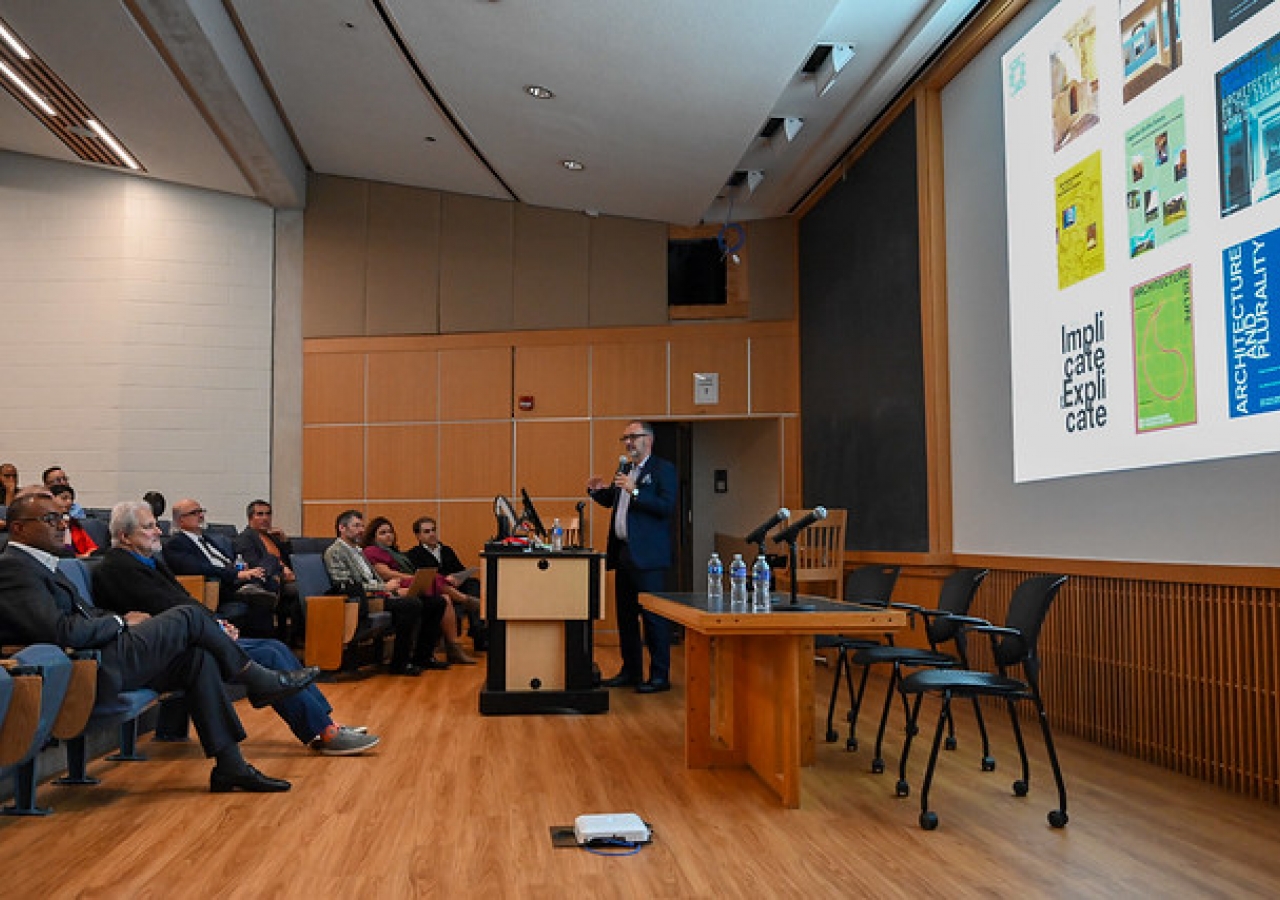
x,y
1142,150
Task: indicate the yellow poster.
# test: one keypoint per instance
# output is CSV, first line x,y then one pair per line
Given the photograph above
x,y
1079,226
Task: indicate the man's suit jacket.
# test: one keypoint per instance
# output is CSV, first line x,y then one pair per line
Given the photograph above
x,y
648,516
122,582
185,557
421,557
250,545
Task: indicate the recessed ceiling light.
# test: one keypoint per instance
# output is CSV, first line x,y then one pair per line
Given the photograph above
x,y
12,40
572,165
538,92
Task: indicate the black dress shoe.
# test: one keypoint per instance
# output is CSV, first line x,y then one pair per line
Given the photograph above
x,y
434,664
250,780
408,669
622,679
654,686
286,685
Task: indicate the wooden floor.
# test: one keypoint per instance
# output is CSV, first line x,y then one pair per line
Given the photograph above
x,y
458,805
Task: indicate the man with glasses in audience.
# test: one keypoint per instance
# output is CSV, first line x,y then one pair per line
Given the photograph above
x,y
642,496
243,597
180,649
54,476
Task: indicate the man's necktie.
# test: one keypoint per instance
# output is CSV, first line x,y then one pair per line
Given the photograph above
x,y
213,552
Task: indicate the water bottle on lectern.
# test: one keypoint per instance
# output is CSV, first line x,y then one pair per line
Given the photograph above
x,y
715,578
760,576
738,582
557,536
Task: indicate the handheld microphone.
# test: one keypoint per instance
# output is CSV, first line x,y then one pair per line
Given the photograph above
x,y
624,464
788,534
758,534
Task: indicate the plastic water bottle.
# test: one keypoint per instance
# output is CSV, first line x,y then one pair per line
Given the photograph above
x,y
760,577
240,563
557,536
715,578
738,582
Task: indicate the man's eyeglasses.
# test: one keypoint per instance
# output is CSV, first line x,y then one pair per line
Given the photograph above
x,y
49,518
632,437
199,511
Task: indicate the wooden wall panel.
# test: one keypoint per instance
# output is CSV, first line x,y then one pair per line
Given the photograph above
x,y
772,279
402,279
465,526
475,383
629,379
333,462
318,518
553,459
628,272
402,514
727,357
557,377
403,386
475,460
476,264
334,257
775,385
550,280
792,483
403,461
332,388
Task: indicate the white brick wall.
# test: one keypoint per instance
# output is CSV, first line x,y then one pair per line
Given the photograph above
x,y
137,323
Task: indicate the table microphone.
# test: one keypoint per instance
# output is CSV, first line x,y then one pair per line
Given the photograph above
x,y
788,534
758,535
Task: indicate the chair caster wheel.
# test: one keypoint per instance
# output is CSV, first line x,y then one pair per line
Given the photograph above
x,y
832,737
902,789
877,766
928,820
949,744
1058,818
988,764
1019,788
851,744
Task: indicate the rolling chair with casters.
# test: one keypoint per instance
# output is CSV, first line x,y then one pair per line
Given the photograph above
x,y
954,599
870,586
1013,644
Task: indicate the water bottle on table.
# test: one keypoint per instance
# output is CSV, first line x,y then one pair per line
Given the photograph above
x,y
557,536
715,579
760,577
738,582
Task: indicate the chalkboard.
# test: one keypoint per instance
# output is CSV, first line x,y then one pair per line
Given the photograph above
x,y
861,364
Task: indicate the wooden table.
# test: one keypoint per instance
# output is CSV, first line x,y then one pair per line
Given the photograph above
x,y
749,681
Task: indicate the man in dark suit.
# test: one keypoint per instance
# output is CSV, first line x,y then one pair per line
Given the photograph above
x,y
243,597
430,553
263,546
132,577
181,649
642,496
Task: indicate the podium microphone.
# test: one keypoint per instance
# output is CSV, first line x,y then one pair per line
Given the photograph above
x,y
758,535
788,534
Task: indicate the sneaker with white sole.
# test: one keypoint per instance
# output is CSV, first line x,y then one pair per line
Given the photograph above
x,y
346,742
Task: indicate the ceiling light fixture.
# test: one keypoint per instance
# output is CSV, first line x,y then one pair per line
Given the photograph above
x,y
12,40
572,165
538,92
27,89
110,141
832,66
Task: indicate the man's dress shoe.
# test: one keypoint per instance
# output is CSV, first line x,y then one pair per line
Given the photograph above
x,y
654,686
410,669
289,683
250,780
622,679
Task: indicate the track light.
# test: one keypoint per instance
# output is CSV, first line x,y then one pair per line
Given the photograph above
x,y
831,67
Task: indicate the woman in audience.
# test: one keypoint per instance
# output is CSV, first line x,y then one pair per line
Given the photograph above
x,y
380,549
79,543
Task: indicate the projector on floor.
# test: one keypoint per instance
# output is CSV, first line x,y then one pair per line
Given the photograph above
x,y
622,827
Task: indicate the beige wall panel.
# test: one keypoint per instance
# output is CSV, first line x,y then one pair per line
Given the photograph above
x,y
318,518
476,241
553,459
332,388
333,462
629,379
773,277
403,461
775,375
475,460
550,278
728,357
628,272
333,268
792,484
403,386
475,383
402,280
556,377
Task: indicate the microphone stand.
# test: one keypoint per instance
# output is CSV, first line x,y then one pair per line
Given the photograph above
x,y
793,606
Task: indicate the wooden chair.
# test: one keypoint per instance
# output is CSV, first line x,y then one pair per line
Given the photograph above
x,y
572,531
820,552
203,590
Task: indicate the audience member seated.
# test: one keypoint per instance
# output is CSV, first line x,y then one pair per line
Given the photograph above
x,y
428,552
416,619
54,475
379,543
243,596
265,547
180,649
8,487
79,543
132,577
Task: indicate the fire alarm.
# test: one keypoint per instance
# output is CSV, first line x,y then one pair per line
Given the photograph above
x,y
526,403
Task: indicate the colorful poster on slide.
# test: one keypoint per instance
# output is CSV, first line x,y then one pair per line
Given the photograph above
x,y
1227,14
1079,221
1249,127
1073,81
1253,370
1164,371
1156,194
1150,42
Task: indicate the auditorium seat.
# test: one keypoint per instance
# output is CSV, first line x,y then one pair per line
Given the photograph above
x,y
54,673
337,626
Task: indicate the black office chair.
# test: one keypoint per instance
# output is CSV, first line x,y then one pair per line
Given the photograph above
x,y
870,586
954,599
1014,644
